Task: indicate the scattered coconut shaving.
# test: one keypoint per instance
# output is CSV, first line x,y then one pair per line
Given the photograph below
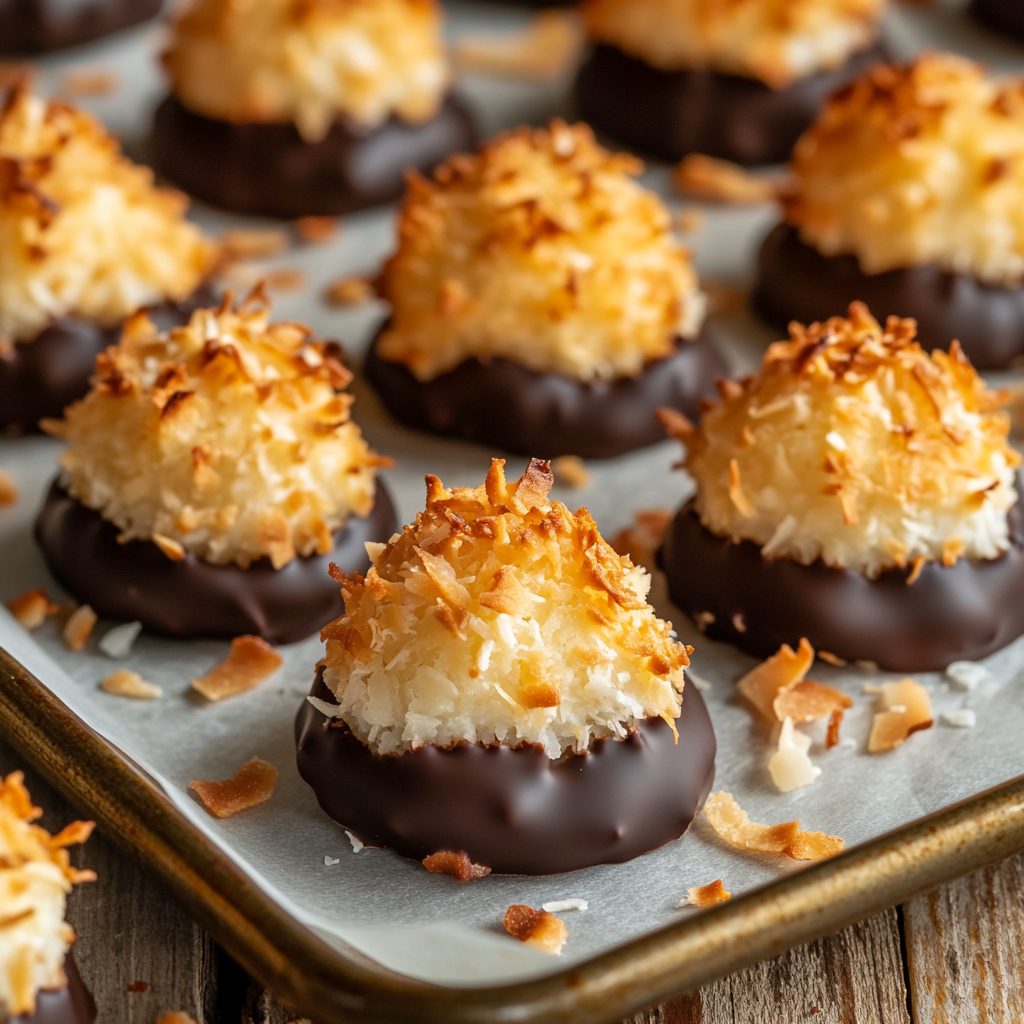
x,y
706,895
731,823
549,47
350,291
537,928
8,489
315,230
357,843
176,1017
640,542
705,177
89,83
253,784
252,244
118,642
78,627
571,471
249,662
330,861
790,767
558,906
288,279
455,865
967,675
32,608
903,708
785,668
126,683
961,718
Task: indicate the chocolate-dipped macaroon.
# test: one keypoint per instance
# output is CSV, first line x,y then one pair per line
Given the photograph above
x,y
85,240
1005,16
36,26
500,689
213,474
857,492
540,303
738,80
908,194
295,107
39,983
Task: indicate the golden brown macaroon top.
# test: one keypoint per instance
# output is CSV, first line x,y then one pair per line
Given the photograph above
x,y
311,62
499,616
230,438
776,41
542,249
855,446
915,164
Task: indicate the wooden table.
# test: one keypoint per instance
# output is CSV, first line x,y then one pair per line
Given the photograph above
x,y
954,955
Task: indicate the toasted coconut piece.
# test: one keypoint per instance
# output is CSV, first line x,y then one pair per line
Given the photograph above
x,y
287,279
547,48
89,83
176,1017
455,865
249,662
904,707
32,608
808,701
705,177
350,291
8,489
706,895
790,767
126,683
571,471
785,668
731,823
78,627
118,642
640,542
252,784
314,230
538,928
252,243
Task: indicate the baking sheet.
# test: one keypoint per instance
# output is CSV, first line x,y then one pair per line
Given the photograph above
x,y
427,926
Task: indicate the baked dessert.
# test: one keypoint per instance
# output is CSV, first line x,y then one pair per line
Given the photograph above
x,y
738,80
296,107
499,691
85,240
212,475
857,492
39,982
539,302
1004,16
35,26
908,194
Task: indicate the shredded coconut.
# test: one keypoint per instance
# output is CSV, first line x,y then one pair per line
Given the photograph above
x,y
541,249
558,906
967,675
118,642
962,718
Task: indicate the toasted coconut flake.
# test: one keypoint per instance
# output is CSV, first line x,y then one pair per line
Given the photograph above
x,y
549,47
790,767
641,541
785,668
89,83
316,230
176,1017
287,279
249,662
705,177
252,243
78,627
808,701
571,471
903,708
8,489
126,683
537,928
350,291
32,608
731,823
118,642
252,784
706,895
455,865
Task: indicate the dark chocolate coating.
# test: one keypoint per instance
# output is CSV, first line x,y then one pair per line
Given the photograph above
x,y
69,1005
35,26
795,282
668,114
1000,15
964,611
513,809
192,598
41,377
503,404
270,169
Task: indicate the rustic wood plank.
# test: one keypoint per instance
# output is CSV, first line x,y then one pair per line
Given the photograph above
x,y
129,929
854,977
964,948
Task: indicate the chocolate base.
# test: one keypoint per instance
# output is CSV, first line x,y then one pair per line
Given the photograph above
x,y
35,26
796,282
544,415
270,169
668,114
192,598
965,611
39,378
1006,16
514,810
72,1004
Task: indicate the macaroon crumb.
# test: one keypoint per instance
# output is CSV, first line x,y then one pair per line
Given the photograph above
x,y
537,928
706,895
350,291
252,784
961,718
640,542
967,675
8,489
32,608
455,865
252,244
78,627
571,471
250,660
95,82
548,48
316,230
903,708
118,642
126,683
720,181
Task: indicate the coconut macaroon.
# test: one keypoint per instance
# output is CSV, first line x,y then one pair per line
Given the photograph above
x,y
35,877
228,439
540,250
911,177
500,626
853,449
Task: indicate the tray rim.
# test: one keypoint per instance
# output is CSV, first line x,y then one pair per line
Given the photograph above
x,y
335,988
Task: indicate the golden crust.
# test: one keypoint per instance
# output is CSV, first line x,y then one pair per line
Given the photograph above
x,y
776,41
855,446
542,249
83,231
229,438
310,61
917,164
499,616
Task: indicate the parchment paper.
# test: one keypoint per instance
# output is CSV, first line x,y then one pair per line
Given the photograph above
x,y
427,926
